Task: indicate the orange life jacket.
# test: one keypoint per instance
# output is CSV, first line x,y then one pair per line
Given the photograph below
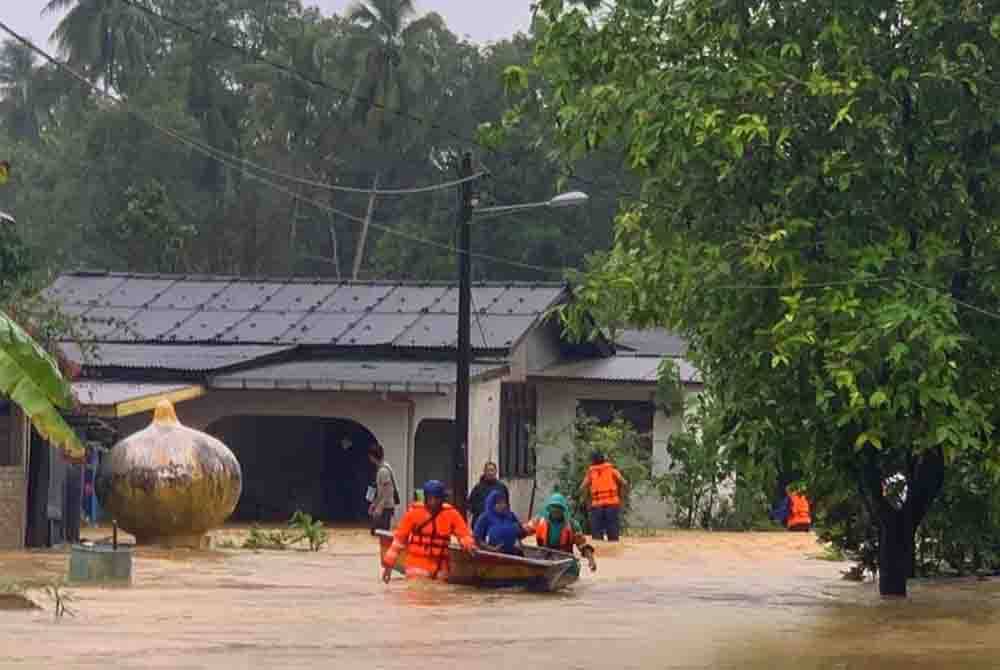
x,y
426,538
567,538
798,511
604,486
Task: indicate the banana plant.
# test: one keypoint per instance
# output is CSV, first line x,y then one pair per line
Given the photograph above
x,y
30,377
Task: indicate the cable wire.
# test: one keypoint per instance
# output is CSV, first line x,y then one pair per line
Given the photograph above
x,y
344,92
278,187
946,294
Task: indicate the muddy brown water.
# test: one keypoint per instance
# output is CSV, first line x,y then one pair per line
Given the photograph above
x,y
682,601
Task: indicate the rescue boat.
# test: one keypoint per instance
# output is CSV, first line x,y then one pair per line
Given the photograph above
x,y
539,569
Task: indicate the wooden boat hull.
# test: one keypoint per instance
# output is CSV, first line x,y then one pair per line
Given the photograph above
x,y
539,570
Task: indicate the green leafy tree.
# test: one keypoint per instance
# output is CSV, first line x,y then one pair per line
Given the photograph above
x,y
620,444
817,218
149,231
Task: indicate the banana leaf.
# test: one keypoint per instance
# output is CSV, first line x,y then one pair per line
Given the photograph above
x,y
31,379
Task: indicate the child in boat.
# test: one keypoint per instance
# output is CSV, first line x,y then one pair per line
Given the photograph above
x,y
557,529
498,529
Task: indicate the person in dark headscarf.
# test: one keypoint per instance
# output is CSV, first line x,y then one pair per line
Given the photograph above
x,y
498,529
488,483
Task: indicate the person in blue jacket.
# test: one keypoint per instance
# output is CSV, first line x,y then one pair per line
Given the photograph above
x,y
498,529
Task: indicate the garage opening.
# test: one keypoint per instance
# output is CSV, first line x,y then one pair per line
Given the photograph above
x,y
316,465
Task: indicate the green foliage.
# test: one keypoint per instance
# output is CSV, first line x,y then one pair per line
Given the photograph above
x,y
312,531
703,484
818,206
32,380
100,188
620,444
149,231
267,539
301,528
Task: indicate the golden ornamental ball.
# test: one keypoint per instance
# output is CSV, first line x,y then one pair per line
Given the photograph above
x,y
169,484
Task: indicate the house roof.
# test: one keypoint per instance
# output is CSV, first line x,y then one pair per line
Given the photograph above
x,y
214,310
118,399
172,357
650,342
627,369
337,375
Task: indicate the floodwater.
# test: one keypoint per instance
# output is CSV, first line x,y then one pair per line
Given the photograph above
x,y
682,601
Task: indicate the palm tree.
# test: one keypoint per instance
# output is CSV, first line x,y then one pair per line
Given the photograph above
x,y
18,78
106,38
390,73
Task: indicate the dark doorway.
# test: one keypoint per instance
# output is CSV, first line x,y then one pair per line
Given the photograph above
x,y
319,466
55,495
433,446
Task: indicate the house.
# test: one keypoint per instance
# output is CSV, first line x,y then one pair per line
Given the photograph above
x,y
299,376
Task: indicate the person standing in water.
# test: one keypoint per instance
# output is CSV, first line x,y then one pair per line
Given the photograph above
x,y
607,487
384,495
425,532
799,518
488,483
557,529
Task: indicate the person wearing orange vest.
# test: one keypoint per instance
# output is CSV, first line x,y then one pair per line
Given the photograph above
x,y
557,529
425,532
607,487
799,517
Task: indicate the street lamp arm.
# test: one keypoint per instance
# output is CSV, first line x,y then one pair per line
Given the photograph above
x,y
485,212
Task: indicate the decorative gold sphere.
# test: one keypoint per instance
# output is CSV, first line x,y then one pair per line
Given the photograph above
x,y
169,484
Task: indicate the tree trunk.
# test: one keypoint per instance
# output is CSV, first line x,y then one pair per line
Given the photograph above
x,y
895,553
898,527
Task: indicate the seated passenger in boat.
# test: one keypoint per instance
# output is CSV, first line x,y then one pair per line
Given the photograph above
x,y
557,529
498,528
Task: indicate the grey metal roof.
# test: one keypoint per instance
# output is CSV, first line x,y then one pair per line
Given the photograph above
x,y
103,393
181,358
340,375
651,342
148,309
625,369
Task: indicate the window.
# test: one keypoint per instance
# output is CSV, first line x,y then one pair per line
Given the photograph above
x,y
518,415
637,413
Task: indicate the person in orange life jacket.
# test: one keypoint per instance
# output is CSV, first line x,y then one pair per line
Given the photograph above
x,y
607,488
425,532
557,529
794,511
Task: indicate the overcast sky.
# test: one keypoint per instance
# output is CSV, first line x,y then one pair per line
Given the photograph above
x,y
479,20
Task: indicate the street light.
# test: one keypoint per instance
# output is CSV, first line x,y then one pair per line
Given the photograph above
x,y
466,213
561,201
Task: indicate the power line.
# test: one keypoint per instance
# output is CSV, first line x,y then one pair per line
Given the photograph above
x,y
340,90
297,196
946,294
287,69
387,192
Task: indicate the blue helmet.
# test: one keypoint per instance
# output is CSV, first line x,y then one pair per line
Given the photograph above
x,y
435,489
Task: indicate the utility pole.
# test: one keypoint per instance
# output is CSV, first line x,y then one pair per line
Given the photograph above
x,y
360,253
460,476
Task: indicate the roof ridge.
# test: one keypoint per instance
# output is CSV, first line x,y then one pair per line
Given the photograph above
x,y
301,279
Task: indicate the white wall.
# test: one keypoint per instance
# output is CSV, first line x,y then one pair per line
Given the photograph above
x,y
392,418
557,404
385,415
